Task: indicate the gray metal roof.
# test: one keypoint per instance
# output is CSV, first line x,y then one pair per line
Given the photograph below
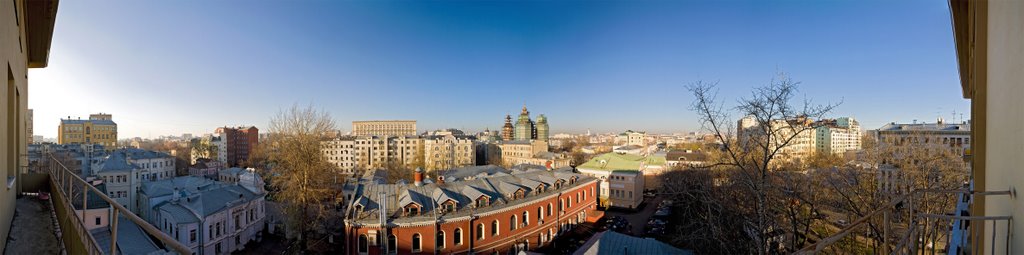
x,y
610,242
926,127
498,189
116,162
188,184
130,238
179,213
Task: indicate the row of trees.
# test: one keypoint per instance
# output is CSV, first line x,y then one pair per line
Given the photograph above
x,y
749,200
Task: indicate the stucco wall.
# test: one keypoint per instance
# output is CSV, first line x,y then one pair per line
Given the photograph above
x,y
1005,121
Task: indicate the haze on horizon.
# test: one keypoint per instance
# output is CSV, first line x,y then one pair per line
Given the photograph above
x,y
173,67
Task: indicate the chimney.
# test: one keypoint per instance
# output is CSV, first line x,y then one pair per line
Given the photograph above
x,y
418,176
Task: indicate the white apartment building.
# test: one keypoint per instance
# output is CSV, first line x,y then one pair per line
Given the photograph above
x,y
838,136
955,135
341,153
125,170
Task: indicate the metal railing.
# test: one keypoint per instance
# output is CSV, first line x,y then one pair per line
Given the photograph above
x,y
77,239
926,221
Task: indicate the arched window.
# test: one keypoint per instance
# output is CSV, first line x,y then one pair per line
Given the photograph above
x,y
416,246
457,236
549,209
540,212
363,244
480,231
440,239
494,228
512,223
392,244
526,218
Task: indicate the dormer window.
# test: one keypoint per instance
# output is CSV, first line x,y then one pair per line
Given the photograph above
x,y
359,208
482,201
540,188
519,194
572,180
412,210
558,184
448,206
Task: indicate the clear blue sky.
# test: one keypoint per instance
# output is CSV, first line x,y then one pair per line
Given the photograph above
x,y
171,67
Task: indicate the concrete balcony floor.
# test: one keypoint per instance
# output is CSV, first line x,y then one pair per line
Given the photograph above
x,y
33,229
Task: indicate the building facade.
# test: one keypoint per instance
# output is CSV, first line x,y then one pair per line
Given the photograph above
x,y
838,136
624,177
210,217
497,214
99,128
801,130
124,171
447,152
238,143
630,137
955,135
384,128
533,152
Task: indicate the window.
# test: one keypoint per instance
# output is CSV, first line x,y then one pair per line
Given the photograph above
x,y
480,231
97,221
392,244
440,240
512,223
540,213
364,245
457,236
217,249
549,209
494,228
416,242
526,218
192,236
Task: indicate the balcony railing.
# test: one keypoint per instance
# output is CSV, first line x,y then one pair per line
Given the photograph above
x,y
921,222
66,185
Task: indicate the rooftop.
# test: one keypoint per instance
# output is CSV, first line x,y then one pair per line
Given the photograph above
x,y
611,242
497,189
616,161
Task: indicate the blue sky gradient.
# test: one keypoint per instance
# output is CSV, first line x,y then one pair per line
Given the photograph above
x,y
172,67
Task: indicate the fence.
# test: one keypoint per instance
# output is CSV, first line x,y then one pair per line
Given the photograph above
x,y
65,185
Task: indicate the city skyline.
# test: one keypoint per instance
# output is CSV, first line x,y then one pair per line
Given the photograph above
x,y
607,66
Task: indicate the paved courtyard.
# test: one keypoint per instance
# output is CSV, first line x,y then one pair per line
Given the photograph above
x,y
638,219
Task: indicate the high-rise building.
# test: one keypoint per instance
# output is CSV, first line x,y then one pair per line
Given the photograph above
x,y
99,129
238,143
838,136
384,128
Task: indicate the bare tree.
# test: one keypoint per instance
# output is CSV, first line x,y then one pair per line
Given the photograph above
x,y
777,123
302,176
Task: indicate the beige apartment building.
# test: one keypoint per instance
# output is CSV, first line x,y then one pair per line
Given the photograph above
x,y
24,43
447,152
838,136
98,129
384,128
802,146
990,53
533,152
352,154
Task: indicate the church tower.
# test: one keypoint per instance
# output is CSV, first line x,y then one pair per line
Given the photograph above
x,y
542,128
524,126
506,131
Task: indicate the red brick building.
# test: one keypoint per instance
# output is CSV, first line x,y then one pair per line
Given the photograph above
x,y
240,142
495,214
